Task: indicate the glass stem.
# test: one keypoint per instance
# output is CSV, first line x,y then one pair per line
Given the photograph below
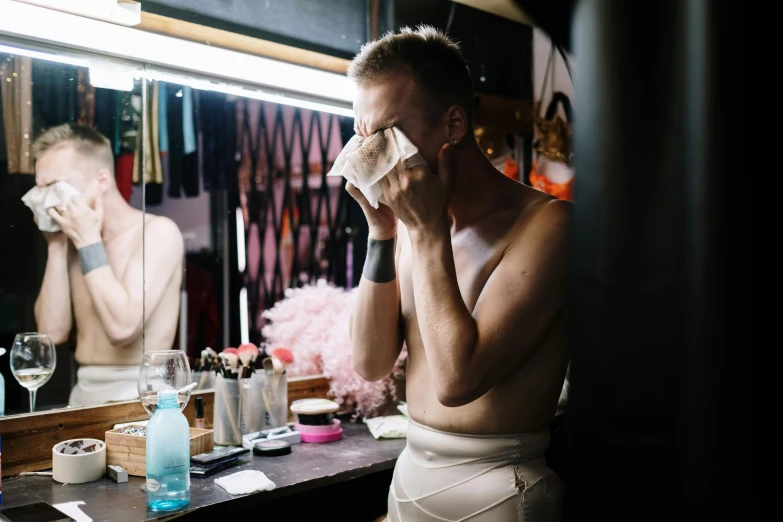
x,y
32,400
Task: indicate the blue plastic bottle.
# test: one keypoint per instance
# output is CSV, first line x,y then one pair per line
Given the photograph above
x,y
168,455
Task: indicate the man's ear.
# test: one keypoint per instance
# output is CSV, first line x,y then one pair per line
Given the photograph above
x,y
457,124
104,179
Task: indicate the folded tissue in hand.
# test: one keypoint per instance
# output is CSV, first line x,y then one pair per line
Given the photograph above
x,y
365,161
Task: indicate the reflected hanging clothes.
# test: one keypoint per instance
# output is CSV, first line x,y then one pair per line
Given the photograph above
x,y
154,171
183,149
175,139
105,116
123,174
217,119
203,318
16,94
55,95
85,94
163,129
190,180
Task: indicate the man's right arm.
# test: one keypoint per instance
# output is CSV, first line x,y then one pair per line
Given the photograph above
x,y
376,336
53,313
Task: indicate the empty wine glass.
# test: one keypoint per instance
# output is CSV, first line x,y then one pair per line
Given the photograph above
x,y
33,360
163,370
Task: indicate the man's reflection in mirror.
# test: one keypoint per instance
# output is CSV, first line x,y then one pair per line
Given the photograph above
x,y
93,281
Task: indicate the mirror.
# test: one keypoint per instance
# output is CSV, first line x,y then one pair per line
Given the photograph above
x,y
245,182
96,156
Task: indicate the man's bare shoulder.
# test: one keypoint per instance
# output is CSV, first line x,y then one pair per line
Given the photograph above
x,y
161,230
542,217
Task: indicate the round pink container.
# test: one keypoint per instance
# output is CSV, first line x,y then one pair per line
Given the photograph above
x,y
322,437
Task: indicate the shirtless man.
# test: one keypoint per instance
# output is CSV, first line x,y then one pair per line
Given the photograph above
x,y
474,287
94,268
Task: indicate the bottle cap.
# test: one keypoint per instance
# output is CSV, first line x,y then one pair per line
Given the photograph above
x,y
167,397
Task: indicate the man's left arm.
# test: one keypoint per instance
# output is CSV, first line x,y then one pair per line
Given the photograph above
x,y
468,353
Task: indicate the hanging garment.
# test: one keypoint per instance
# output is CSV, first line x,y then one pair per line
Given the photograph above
x,y
129,122
153,178
163,130
203,318
217,124
176,140
55,95
123,174
85,94
105,116
21,274
188,126
190,179
17,99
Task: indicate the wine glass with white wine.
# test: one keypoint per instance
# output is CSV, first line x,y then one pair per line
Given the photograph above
x,y
33,360
163,370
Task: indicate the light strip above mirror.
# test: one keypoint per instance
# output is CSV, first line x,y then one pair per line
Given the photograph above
x,y
218,69
51,57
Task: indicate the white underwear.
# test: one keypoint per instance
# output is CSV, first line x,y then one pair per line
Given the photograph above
x,y
448,477
101,384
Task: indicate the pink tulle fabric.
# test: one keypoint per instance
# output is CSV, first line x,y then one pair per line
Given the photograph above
x,y
312,322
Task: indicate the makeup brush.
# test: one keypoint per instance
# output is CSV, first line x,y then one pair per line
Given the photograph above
x,y
281,358
247,353
231,357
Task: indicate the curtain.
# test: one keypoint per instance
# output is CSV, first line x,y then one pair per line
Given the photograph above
x,y
16,93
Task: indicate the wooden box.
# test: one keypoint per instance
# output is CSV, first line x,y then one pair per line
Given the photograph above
x,y
130,451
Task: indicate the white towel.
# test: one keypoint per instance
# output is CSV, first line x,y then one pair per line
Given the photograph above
x,y
40,200
365,161
245,482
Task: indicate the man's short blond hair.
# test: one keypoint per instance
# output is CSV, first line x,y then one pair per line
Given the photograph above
x,y
85,140
431,59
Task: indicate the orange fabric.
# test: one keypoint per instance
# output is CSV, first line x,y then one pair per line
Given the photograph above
x,y
511,169
559,190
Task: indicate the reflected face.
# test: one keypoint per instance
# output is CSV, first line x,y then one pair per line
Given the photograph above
x,y
63,163
394,101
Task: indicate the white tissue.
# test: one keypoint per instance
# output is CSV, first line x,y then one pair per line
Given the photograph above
x,y
365,161
40,200
390,427
245,482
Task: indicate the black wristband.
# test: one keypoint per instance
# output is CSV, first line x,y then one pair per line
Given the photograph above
x,y
92,257
379,264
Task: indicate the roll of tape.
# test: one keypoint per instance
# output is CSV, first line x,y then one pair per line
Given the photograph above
x,y
78,460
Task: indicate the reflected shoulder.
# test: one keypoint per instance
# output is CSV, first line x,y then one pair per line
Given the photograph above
x,y
164,231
